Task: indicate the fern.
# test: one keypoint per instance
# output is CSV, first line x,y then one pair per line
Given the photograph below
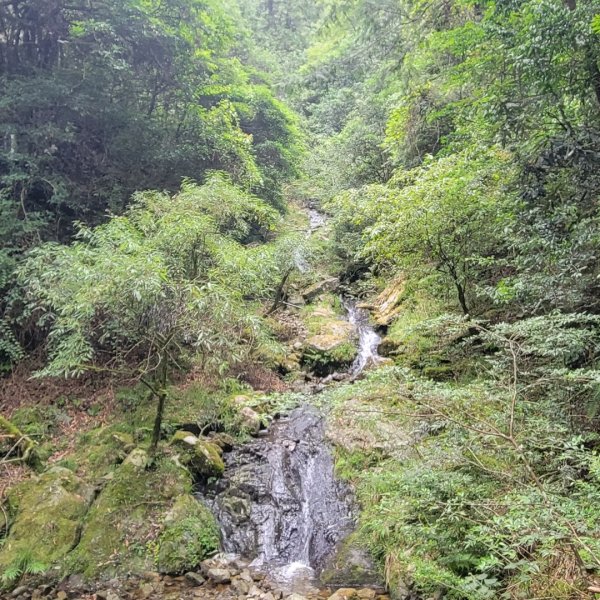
x,y
23,564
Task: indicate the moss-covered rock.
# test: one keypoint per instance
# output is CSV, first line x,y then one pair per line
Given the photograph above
x,y
190,535
48,513
331,344
121,525
201,457
100,451
351,565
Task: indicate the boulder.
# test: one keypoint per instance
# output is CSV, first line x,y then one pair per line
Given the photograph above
x,y
49,511
190,534
344,594
219,575
351,565
201,457
138,459
250,419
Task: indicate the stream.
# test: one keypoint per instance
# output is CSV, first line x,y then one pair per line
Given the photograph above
x,y
279,503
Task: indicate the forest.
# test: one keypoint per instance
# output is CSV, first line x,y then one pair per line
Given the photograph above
x,y
217,213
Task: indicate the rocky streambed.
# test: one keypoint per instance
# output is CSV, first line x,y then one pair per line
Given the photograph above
x,y
279,503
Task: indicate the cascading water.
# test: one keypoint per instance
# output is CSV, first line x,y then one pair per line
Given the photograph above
x,y
368,339
279,502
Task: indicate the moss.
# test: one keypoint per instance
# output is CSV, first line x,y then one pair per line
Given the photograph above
x,y
39,421
351,565
201,457
331,344
189,536
48,513
100,450
123,519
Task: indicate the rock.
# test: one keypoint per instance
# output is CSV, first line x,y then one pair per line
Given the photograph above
x,y
332,344
195,578
19,590
267,596
49,510
344,594
366,594
314,291
190,534
250,420
388,304
185,437
208,461
245,576
296,300
201,457
219,575
223,441
145,591
138,459
62,595
240,586
351,565
295,597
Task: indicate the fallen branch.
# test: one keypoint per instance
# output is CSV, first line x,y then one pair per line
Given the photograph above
x,y
23,443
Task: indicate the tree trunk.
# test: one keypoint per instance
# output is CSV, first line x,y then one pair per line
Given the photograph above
x,y
160,409
161,395
279,292
462,299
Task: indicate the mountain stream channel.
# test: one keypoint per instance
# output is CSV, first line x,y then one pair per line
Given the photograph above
x,y
280,508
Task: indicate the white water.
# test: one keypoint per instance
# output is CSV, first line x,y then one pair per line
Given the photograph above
x,y
369,339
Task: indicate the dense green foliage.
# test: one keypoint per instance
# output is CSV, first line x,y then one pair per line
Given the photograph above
x,y
103,98
455,145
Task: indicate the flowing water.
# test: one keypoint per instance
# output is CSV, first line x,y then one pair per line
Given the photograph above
x,y
368,339
279,502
